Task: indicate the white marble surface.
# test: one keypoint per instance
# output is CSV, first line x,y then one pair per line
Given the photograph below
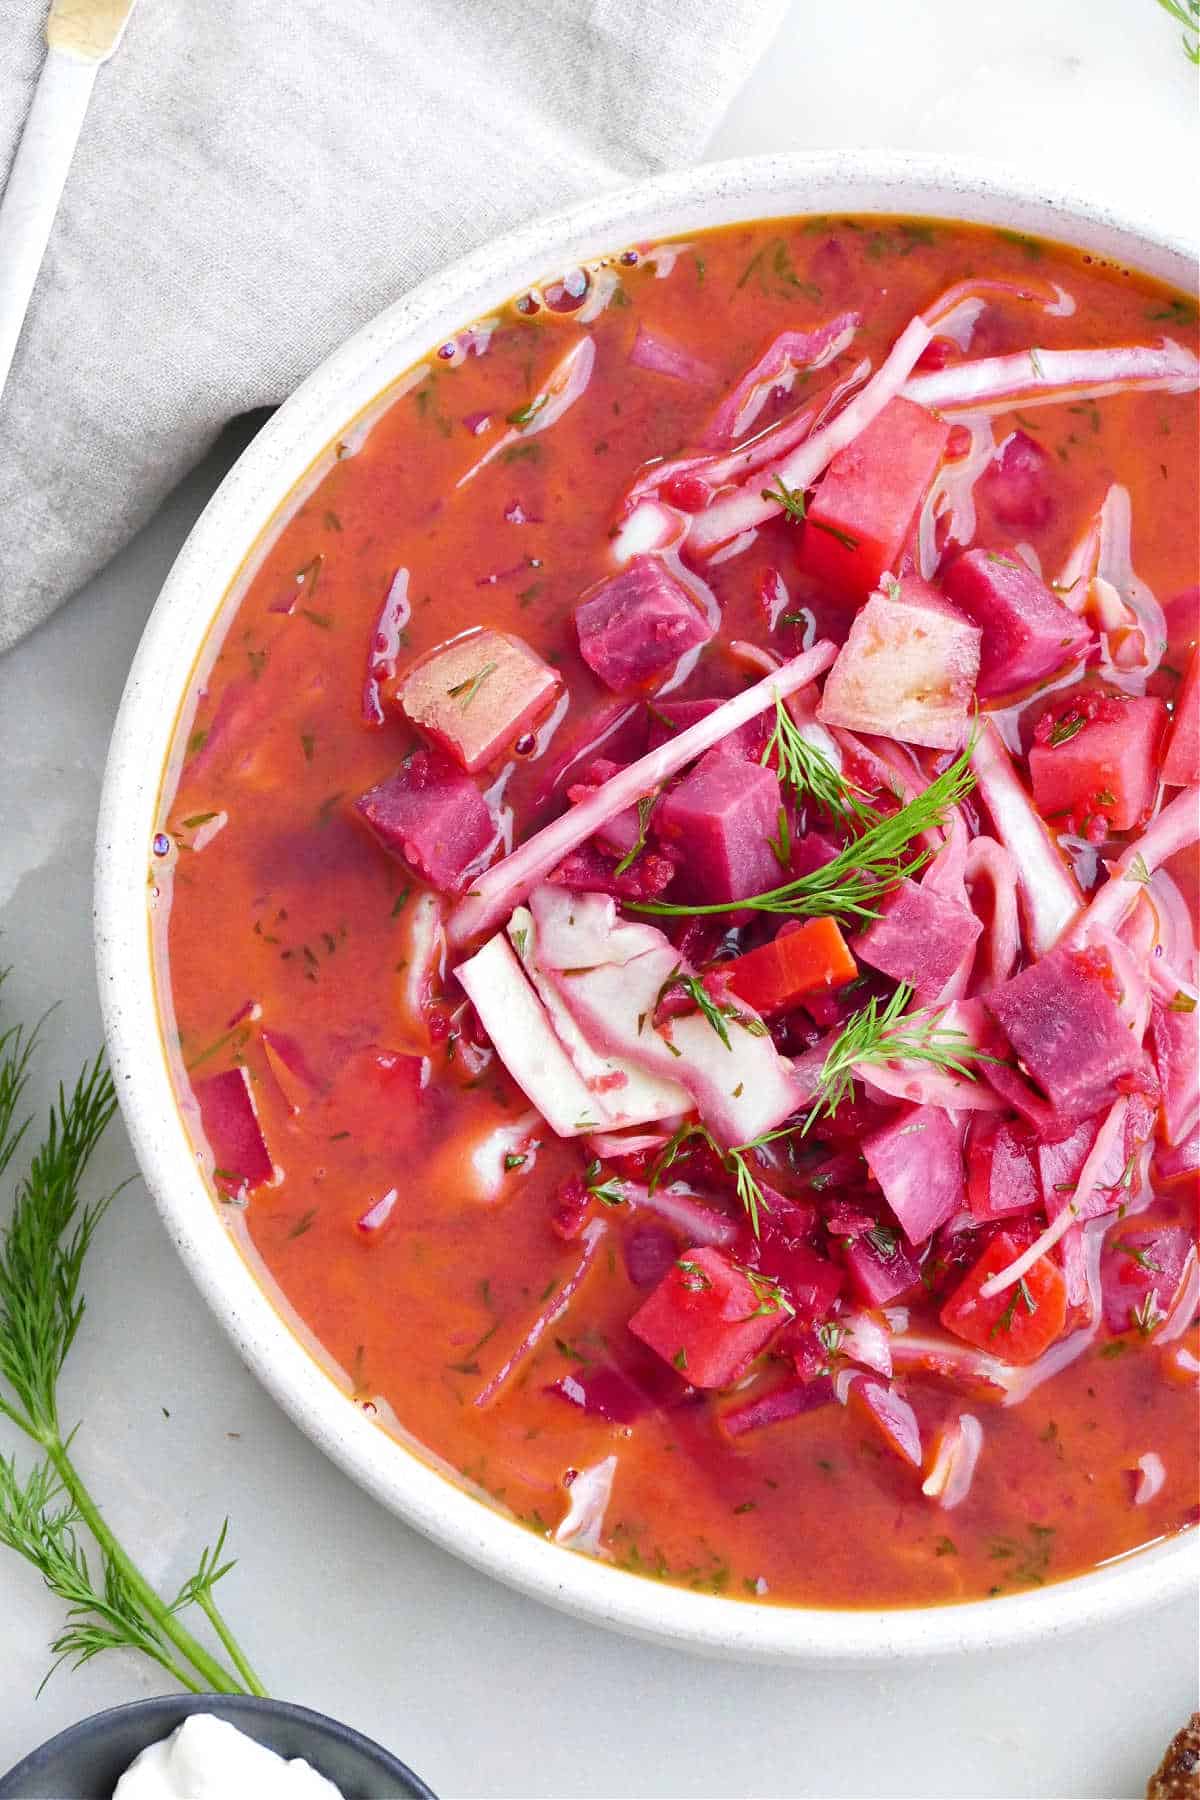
x,y
343,1607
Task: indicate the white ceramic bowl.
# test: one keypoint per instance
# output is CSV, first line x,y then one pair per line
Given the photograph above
x,y
220,552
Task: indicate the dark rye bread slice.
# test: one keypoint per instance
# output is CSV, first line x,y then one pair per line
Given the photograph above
x,y
1178,1774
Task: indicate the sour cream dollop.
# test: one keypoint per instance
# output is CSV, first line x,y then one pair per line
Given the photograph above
x,y
207,1759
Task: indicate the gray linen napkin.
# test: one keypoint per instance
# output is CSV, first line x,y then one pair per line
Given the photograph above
x,y
257,177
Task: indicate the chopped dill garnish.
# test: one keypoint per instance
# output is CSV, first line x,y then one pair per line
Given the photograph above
x,y
1064,729
795,508
1020,1293
524,415
465,691
790,499
883,1240
1147,1316
607,1192
767,1292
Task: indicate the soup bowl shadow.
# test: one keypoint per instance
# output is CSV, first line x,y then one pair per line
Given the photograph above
x,y
211,571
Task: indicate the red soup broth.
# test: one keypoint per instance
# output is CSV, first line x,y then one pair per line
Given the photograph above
x,y
290,945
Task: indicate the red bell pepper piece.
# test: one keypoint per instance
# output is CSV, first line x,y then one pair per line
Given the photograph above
x,y
804,960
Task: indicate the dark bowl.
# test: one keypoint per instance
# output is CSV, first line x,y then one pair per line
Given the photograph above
x,y
86,1761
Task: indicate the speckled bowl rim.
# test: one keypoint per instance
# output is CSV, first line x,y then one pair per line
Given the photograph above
x,y
670,205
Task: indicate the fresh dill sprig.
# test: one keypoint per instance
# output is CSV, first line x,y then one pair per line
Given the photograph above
x,y
734,1161
864,871
1187,14
600,1187
768,1294
790,499
41,1522
811,775
44,1515
889,1034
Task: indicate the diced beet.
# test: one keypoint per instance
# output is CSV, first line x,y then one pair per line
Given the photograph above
x,y
669,717
861,513
879,1267
1096,757
917,1161
622,831
634,627
788,1401
649,1252
594,871
812,850
1181,764
920,937
605,1392
812,1283
1019,1092
477,694
1062,1019
848,1218
809,1348
615,729
1027,631
1002,1168
230,1122
432,816
705,1319
1060,1163
907,669
1016,484
891,1415
812,958
718,820
1019,1323
1140,1272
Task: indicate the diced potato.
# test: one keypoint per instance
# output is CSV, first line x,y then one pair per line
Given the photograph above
x,y
477,694
907,669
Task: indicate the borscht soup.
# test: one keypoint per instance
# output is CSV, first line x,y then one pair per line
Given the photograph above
x,y
674,911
